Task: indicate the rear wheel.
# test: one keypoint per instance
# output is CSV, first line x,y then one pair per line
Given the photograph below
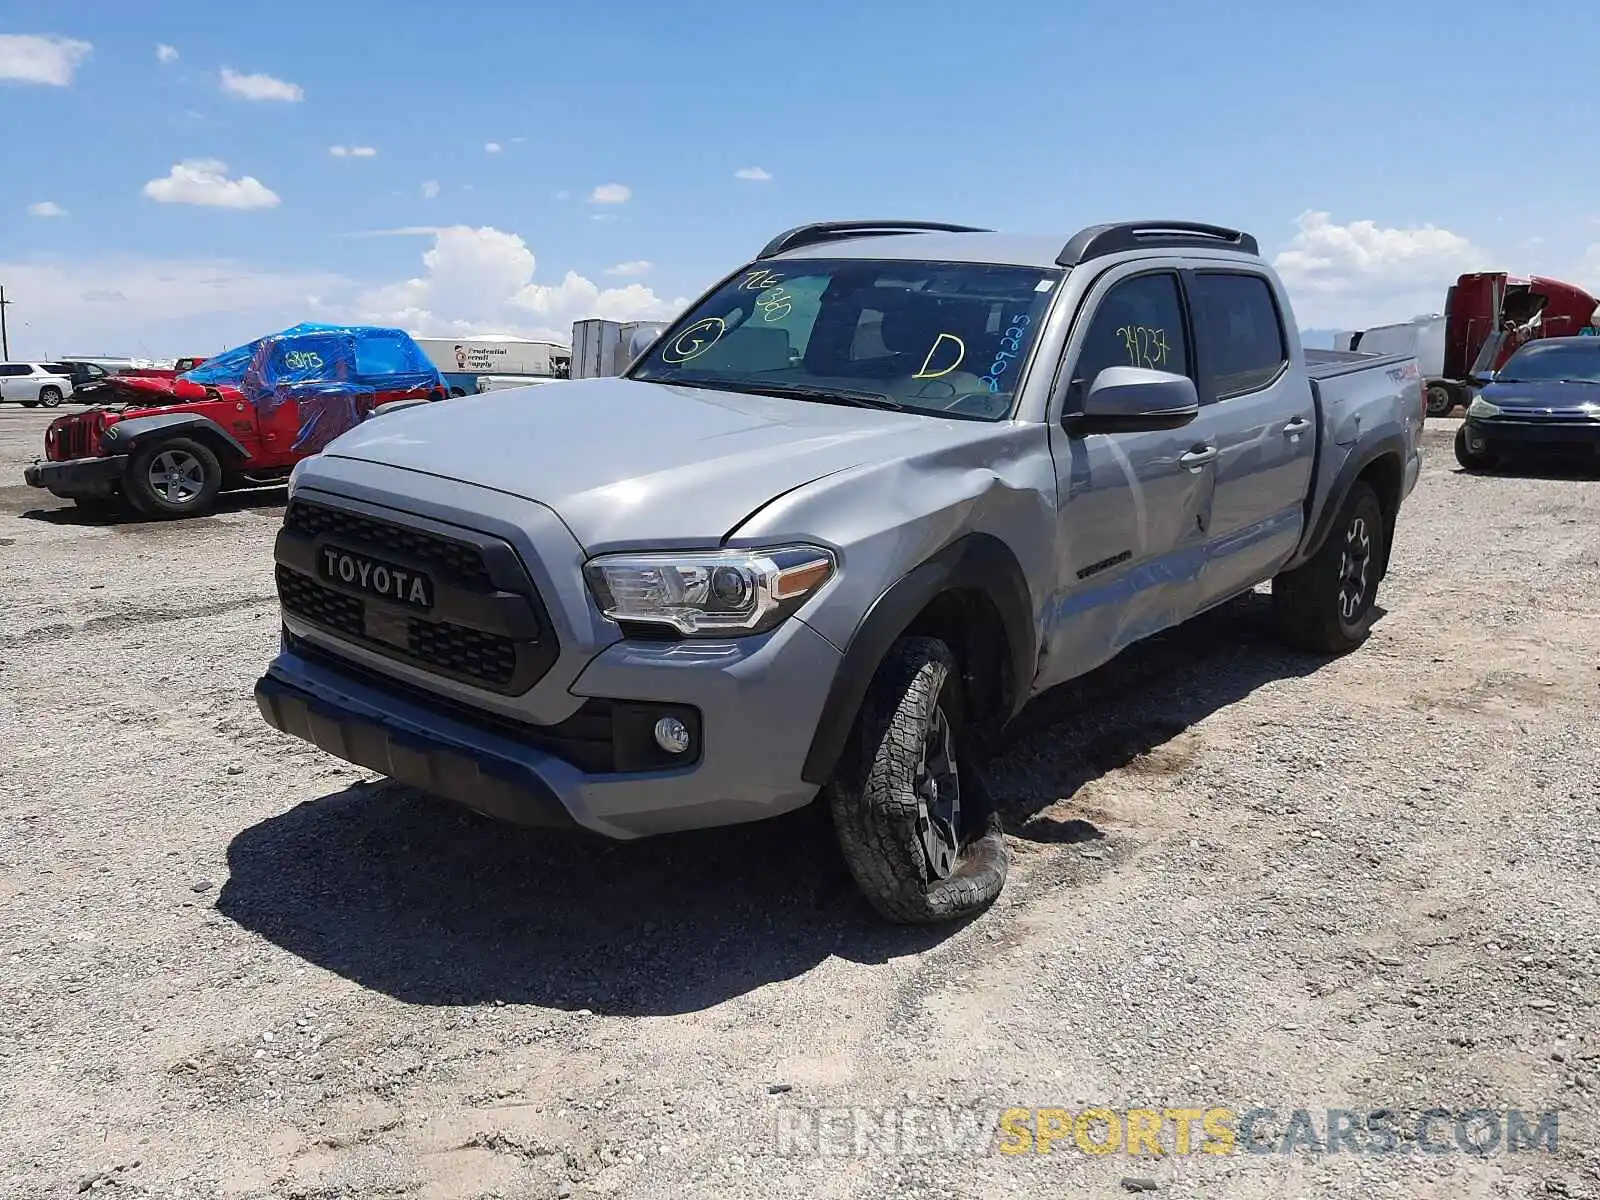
x,y
913,820
176,478
1441,399
1326,605
1473,460
50,397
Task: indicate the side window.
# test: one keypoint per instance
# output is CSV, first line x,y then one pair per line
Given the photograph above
x,y
13,369
1139,323
1239,334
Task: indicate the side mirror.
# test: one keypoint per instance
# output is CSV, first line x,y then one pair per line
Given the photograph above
x,y
1135,400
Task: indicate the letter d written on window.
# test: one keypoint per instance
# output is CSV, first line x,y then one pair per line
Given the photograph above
x,y
947,347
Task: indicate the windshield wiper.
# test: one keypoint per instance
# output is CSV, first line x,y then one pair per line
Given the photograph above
x,y
828,395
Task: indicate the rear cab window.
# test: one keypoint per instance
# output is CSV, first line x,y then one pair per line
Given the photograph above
x,y
1238,333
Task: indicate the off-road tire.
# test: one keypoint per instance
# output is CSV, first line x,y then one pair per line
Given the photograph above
x,y
1441,399
136,483
1469,460
876,811
1310,602
50,397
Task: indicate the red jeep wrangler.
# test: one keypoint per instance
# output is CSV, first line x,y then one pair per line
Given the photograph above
x,y
242,419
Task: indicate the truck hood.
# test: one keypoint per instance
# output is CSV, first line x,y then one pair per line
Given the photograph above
x,y
628,464
1549,398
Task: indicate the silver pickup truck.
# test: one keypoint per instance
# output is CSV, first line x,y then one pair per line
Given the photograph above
x,y
868,495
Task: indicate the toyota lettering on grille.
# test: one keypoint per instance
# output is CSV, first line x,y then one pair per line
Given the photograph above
x,y
374,577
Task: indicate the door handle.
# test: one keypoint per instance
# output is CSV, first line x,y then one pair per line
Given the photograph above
x,y
1198,457
1298,425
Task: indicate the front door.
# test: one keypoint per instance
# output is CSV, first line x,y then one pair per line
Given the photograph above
x,y
1258,413
1133,507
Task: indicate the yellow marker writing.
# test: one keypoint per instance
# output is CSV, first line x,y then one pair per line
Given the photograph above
x,y
933,350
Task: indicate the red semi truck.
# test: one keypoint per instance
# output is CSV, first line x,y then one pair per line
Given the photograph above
x,y
1487,316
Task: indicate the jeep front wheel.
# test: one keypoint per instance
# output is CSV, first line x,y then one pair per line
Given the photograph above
x,y
917,833
176,478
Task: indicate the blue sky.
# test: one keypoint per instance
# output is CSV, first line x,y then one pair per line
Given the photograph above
x,y
1390,119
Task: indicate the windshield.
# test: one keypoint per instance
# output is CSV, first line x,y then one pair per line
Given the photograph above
x,y
945,338
1541,362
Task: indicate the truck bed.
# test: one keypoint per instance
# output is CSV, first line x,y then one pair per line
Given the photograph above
x,y
1358,395
1327,364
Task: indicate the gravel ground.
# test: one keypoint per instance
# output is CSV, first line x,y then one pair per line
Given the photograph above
x,y
231,966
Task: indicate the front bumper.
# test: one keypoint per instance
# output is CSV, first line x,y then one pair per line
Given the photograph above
x,y
77,476
758,701
1503,435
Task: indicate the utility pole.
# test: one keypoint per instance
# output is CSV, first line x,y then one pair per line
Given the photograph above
x,y
5,342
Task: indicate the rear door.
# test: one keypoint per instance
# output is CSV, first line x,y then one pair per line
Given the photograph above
x,y
14,383
1132,511
1257,410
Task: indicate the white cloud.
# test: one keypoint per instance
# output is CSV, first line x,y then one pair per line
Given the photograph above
x,y
204,181
754,174
430,189
476,280
41,58
1363,273
353,151
492,147
166,53
611,193
109,305
260,87
637,266
46,208
563,195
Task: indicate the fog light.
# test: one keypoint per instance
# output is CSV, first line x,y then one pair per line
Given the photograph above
x,y
672,735
1476,444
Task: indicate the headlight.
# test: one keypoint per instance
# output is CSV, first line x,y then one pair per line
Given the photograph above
x,y
1482,408
709,593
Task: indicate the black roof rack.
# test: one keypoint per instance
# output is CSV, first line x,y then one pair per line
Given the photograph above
x,y
834,231
1100,240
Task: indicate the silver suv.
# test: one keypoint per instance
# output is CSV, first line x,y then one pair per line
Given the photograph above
x,y
868,495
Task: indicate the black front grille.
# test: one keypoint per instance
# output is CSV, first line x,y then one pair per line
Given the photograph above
x,y
459,559
456,651
308,599
486,625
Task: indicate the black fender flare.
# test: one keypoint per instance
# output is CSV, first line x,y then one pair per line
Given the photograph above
x,y
1387,445
975,562
124,437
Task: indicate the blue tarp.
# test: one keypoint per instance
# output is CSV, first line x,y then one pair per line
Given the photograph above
x,y
332,373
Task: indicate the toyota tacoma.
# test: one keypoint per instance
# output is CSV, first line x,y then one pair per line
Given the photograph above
x,y
831,528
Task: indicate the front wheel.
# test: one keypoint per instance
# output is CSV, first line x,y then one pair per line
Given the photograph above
x,y
1326,605
917,832
175,478
1472,460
